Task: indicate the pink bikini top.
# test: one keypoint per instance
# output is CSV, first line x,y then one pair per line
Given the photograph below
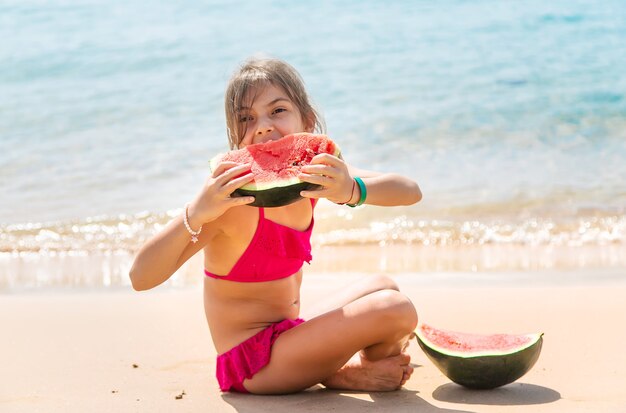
x,y
276,251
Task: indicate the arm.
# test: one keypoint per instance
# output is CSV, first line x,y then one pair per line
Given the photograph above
x,y
162,255
385,189
337,180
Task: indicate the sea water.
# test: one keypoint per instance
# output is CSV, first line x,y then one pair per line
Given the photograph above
x,y
511,116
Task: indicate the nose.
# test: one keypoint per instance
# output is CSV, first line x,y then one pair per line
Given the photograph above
x,y
264,126
264,129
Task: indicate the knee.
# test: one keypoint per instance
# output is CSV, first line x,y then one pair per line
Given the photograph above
x,y
382,282
396,310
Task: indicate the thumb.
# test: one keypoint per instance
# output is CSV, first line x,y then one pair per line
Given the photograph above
x,y
241,200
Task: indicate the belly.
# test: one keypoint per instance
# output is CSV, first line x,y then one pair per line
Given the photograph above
x,y
236,311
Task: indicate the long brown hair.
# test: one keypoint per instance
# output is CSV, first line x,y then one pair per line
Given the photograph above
x,y
251,76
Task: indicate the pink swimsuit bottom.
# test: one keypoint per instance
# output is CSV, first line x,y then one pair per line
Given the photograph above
x,y
276,251
246,359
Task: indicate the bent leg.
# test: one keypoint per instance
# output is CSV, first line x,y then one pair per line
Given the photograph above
x,y
377,324
352,291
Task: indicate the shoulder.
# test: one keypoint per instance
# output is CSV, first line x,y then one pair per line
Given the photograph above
x,y
236,219
227,231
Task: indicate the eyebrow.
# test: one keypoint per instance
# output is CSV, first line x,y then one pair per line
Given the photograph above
x,y
273,102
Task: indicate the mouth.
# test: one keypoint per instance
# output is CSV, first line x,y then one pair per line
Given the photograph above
x,y
270,138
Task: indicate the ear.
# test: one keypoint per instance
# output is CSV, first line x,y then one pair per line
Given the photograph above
x,y
309,122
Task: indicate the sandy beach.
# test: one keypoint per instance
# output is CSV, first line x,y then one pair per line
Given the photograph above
x,y
511,117
146,352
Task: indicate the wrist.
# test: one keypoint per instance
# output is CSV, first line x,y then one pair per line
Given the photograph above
x,y
351,194
362,193
355,194
192,222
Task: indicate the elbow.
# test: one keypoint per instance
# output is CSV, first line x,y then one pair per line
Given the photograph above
x,y
415,194
407,192
138,287
137,281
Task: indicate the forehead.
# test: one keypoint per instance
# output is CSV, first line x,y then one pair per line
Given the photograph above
x,y
262,95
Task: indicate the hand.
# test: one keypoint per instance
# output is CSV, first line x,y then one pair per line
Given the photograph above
x,y
214,198
332,174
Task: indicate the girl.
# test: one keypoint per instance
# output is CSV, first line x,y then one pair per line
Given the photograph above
x,y
253,259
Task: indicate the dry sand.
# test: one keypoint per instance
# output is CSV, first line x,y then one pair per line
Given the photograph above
x,y
151,352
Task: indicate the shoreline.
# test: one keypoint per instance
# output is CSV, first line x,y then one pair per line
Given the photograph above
x,y
31,272
64,351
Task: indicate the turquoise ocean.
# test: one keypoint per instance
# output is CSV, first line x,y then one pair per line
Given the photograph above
x,y
510,115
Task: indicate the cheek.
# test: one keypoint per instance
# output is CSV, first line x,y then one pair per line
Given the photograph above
x,y
246,140
291,126
247,135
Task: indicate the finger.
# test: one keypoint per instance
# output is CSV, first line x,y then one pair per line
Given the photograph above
x,y
404,358
230,163
238,182
222,166
219,170
237,168
227,166
315,194
239,200
326,158
320,169
317,179
233,172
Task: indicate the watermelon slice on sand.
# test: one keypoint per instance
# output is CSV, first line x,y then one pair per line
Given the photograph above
x,y
276,165
480,361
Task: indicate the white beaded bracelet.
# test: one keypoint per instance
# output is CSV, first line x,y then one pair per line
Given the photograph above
x,y
194,234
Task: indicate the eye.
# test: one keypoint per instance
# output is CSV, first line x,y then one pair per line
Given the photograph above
x,y
245,118
279,110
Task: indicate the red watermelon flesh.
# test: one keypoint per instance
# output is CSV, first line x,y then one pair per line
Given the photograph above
x,y
276,166
275,162
468,343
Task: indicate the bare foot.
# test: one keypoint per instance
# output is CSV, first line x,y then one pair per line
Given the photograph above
x,y
362,374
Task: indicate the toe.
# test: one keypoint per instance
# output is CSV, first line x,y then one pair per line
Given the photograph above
x,y
408,375
406,345
404,359
405,378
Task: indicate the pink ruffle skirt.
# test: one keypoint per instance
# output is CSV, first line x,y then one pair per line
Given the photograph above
x,y
246,359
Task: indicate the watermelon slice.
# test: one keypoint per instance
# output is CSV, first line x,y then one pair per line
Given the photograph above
x,y
276,165
480,361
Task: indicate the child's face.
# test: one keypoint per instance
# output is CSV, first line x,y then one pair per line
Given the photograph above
x,y
271,116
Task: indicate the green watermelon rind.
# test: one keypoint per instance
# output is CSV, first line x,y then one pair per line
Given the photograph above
x,y
276,196
483,370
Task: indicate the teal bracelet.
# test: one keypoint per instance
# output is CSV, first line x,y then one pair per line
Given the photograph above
x,y
363,191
